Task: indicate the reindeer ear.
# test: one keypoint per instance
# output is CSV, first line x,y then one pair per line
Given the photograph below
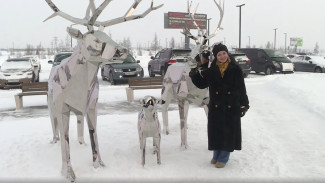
x,y
75,33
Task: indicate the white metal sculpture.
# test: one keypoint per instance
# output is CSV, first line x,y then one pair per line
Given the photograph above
x,y
73,85
178,85
148,126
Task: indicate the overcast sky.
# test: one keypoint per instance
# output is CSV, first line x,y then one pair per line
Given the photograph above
x,y
22,21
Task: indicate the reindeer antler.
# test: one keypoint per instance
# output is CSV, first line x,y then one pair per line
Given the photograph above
x,y
95,13
187,33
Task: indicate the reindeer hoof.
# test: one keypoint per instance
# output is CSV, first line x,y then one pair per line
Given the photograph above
x,y
69,174
55,140
81,141
98,164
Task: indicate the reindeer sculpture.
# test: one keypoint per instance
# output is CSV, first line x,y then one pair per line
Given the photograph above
x,y
73,86
178,85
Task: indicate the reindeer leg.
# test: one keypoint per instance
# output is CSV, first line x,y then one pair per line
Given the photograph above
x,y
80,126
157,142
54,122
55,129
143,149
92,126
63,121
186,107
181,103
164,110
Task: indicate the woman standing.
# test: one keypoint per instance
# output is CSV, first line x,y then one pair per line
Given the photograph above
x,y
228,103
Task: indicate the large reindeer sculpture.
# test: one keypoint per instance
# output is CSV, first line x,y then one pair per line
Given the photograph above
x,y
178,85
73,86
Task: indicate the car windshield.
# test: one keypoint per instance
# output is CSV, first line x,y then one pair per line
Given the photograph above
x,y
13,64
129,59
60,57
274,54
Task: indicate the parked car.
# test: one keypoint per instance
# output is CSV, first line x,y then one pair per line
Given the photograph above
x,y
243,61
268,61
121,72
35,61
59,57
309,63
166,57
15,71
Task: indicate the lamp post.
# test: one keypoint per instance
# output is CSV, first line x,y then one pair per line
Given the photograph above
x,y
285,43
275,37
208,20
71,36
240,23
249,41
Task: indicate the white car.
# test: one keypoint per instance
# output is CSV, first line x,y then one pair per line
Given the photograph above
x,y
15,71
34,60
309,63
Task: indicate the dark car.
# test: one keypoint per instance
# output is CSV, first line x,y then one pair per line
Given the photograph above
x,y
166,57
309,63
121,72
243,61
267,60
59,57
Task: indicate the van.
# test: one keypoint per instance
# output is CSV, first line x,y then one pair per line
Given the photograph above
x,y
268,61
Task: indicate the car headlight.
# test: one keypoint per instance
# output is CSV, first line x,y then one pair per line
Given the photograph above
x,y
138,69
276,64
118,70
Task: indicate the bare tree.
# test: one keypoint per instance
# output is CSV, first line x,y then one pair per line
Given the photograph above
x,y
139,48
68,42
172,42
155,44
268,45
29,49
316,49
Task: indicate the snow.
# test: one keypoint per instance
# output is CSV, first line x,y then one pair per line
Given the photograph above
x,y
283,137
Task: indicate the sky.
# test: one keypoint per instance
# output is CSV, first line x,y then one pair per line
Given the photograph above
x,y
22,22
283,137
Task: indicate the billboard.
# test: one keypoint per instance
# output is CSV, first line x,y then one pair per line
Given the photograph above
x,y
295,41
177,20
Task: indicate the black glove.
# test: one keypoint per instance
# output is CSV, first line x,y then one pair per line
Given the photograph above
x,y
243,111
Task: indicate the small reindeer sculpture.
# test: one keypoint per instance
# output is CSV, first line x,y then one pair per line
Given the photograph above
x,y
178,85
73,86
148,126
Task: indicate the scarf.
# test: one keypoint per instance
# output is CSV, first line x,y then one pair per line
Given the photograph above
x,y
223,67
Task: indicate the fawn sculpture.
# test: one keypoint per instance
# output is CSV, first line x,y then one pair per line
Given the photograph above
x,y
178,85
73,86
148,126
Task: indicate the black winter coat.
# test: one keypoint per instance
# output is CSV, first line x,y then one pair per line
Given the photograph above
x,y
227,95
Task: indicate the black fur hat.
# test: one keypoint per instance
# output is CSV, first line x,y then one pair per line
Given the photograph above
x,y
219,47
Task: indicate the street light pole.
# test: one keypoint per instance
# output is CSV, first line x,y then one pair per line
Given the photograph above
x,y
285,43
208,20
275,37
249,41
240,23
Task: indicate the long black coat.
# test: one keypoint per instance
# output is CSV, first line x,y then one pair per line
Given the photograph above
x,y
227,95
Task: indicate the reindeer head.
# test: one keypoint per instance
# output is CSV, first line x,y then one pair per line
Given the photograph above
x,y
97,46
202,37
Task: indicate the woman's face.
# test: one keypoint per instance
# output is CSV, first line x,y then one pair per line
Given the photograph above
x,y
222,56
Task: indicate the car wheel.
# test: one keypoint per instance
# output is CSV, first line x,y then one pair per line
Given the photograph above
x,y
269,71
162,72
318,70
150,72
111,80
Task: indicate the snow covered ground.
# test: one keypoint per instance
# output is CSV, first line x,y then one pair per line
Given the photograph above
x,y
283,137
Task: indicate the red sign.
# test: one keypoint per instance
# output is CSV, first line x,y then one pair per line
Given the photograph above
x,y
177,20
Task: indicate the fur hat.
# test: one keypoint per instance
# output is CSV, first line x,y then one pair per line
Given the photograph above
x,y
206,54
219,47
